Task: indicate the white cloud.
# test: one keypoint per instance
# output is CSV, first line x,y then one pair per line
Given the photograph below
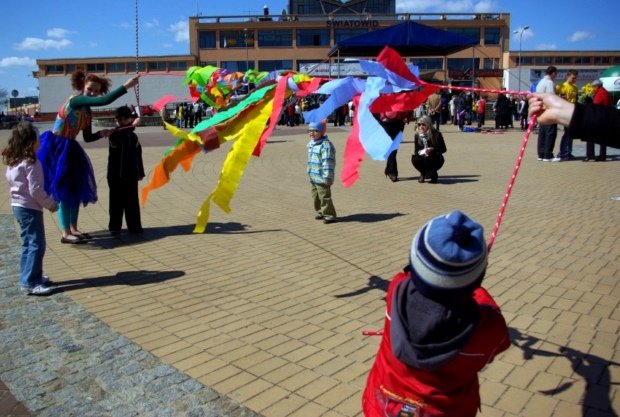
x,y
451,6
34,44
485,6
180,30
150,24
57,33
581,35
546,47
13,61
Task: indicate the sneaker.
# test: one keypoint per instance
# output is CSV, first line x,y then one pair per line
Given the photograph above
x,y
329,219
539,159
319,216
557,159
45,280
546,159
38,290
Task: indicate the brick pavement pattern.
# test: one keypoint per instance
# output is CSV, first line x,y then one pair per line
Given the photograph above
x,y
267,308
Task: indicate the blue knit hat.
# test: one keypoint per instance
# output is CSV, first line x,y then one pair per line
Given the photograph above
x,y
320,126
448,257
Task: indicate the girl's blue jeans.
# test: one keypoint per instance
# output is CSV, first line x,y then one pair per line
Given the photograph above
x,y
32,233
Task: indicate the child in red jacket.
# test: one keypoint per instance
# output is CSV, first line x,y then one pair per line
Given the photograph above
x,y
441,327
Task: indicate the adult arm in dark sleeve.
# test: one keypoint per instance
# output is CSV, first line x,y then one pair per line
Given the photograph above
x,y
594,123
89,136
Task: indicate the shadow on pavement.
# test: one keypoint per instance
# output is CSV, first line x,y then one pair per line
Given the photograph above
x,y
104,240
368,217
120,278
374,283
593,369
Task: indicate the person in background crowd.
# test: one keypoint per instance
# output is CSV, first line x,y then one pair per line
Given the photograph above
x,y
433,106
393,123
481,110
601,98
460,110
523,112
547,133
502,112
567,90
428,151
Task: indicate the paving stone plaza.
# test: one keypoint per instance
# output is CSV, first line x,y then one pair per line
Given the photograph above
x,y
263,314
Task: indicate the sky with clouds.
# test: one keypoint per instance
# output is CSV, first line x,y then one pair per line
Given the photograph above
x,y
44,29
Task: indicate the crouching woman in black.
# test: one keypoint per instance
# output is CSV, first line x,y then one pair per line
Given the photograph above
x,y
428,152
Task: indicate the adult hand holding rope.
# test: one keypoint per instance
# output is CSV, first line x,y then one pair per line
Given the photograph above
x,y
550,109
132,82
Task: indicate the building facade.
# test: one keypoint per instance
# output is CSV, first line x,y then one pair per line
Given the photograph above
x,y
300,39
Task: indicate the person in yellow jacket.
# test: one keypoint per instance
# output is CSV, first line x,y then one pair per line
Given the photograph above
x,y
567,90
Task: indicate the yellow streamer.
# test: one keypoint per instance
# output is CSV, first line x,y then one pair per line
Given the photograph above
x,y
246,136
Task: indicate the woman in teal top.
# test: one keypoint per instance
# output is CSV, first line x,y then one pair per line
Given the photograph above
x,y
69,176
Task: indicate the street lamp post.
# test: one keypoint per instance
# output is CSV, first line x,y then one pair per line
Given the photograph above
x,y
520,32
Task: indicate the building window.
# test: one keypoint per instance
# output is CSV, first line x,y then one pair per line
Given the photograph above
x,y
55,69
312,37
275,65
602,60
342,34
156,66
177,66
492,63
116,67
491,36
463,64
469,32
70,68
95,68
268,38
527,60
542,60
563,60
426,64
583,60
206,39
232,39
235,66
616,60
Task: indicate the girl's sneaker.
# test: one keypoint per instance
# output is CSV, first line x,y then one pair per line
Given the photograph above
x,y
38,290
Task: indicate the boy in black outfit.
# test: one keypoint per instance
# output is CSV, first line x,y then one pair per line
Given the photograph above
x,y
125,169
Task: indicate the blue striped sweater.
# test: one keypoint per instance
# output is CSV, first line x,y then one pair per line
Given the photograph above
x,y
321,161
